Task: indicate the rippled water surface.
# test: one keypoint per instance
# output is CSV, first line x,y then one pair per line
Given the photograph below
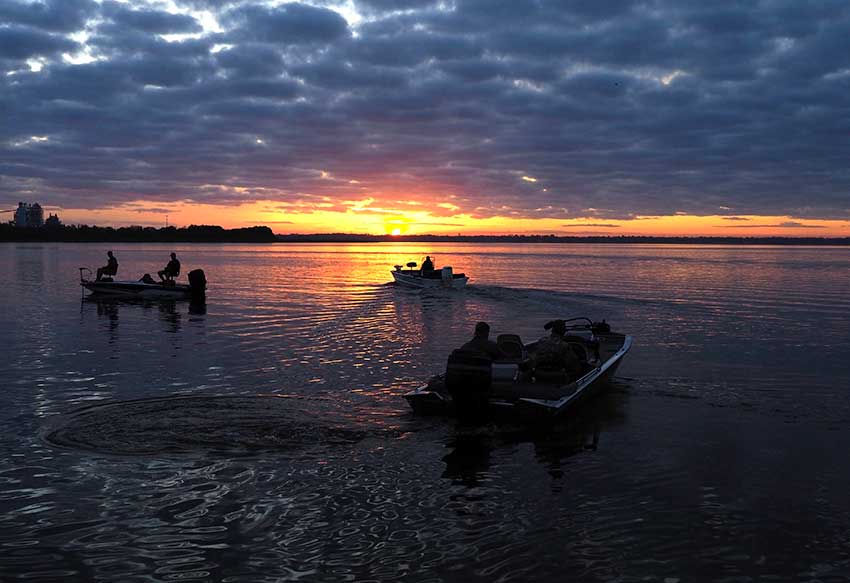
x,y
261,436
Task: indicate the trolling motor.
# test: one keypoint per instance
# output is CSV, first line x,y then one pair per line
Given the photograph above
x,y
82,269
601,327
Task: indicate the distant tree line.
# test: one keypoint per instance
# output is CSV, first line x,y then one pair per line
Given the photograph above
x,y
216,234
621,239
191,234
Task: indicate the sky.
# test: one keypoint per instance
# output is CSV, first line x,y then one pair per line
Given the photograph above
x,y
568,117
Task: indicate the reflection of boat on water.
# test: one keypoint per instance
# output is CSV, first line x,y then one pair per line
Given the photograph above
x,y
471,447
474,384
169,311
147,289
109,304
434,278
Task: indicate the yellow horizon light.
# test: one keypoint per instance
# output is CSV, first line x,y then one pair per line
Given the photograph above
x,y
325,217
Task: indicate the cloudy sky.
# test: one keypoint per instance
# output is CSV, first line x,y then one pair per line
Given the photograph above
x,y
570,117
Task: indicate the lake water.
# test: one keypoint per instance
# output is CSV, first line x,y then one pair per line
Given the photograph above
x,y
262,436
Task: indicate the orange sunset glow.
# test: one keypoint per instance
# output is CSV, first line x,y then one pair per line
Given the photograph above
x,y
366,220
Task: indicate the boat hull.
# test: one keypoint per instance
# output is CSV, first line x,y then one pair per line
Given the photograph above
x,y
414,280
137,289
519,400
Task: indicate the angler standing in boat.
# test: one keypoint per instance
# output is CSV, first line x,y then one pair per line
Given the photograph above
x,y
171,270
110,269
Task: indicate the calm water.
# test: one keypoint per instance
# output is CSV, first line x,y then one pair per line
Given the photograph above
x,y
261,437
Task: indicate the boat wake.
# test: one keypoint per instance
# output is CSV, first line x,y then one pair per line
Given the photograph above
x,y
542,296
179,425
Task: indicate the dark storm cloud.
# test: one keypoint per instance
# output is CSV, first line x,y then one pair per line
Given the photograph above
x,y
150,21
411,48
568,109
333,74
286,25
18,43
250,60
53,15
783,225
115,43
442,224
150,209
379,6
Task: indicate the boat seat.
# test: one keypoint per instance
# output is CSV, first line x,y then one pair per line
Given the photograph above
x,y
512,346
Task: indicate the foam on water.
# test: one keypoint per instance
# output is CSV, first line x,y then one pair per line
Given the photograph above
x,y
199,423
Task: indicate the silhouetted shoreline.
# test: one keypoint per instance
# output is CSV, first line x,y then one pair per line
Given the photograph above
x,y
614,239
87,234
263,234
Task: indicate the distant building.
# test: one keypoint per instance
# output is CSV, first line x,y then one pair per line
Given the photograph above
x,y
29,215
21,215
52,222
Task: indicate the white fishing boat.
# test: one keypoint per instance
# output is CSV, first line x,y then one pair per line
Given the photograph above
x,y
425,279
514,387
146,287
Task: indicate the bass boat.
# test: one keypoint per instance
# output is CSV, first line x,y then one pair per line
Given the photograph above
x,y
146,287
434,278
473,385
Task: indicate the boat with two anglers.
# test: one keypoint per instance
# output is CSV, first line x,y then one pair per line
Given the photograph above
x,y
427,277
146,287
519,385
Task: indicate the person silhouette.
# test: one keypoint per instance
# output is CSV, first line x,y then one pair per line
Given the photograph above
x,y
110,269
481,343
427,265
171,270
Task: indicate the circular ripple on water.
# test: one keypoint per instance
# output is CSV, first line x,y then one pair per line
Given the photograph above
x,y
189,424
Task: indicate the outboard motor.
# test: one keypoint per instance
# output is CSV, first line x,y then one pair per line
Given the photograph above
x,y
602,327
446,274
468,381
197,282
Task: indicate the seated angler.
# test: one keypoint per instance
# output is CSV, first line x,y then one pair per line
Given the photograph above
x,y
481,343
110,269
554,353
469,372
171,270
427,266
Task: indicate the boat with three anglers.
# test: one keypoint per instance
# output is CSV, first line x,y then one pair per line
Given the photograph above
x,y
520,383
